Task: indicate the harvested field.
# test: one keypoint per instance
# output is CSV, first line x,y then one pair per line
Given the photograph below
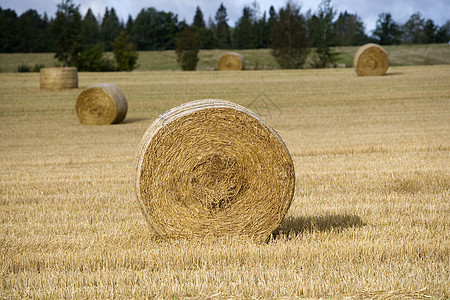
x,y
370,215
255,59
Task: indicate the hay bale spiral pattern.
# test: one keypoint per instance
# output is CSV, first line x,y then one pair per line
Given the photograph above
x,y
212,168
58,78
101,104
231,61
371,60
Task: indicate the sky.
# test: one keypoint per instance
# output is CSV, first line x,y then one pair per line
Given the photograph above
x,y
368,10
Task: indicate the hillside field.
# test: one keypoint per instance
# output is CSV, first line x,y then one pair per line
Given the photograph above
x,y
370,216
255,59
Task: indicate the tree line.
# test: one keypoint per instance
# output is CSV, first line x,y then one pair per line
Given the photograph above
x,y
157,30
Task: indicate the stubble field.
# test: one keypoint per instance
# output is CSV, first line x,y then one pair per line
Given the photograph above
x,y
370,216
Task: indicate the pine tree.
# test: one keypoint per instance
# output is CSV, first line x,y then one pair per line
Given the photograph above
x,y
66,29
244,32
90,29
124,54
199,22
110,28
289,40
222,30
129,25
205,35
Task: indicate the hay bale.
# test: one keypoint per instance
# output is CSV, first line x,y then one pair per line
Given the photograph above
x,y
231,61
371,60
212,168
101,104
58,78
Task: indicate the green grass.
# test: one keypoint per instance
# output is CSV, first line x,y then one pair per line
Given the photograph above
x,y
255,59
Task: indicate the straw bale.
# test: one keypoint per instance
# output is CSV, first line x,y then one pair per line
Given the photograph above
x,y
230,61
101,104
58,78
371,60
212,168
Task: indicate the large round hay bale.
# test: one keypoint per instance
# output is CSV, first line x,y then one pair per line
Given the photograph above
x,y
231,61
371,60
101,104
212,168
58,78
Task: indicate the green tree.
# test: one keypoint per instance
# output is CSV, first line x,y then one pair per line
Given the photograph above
x,y
244,31
273,18
349,30
222,30
187,47
262,32
46,38
124,54
110,28
261,28
413,30
30,29
443,33
66,29
8,30
154,30
90,32
205,35
289,41
387,31
251,31
323,35
429,32
129,24
70,50
199,21
91,58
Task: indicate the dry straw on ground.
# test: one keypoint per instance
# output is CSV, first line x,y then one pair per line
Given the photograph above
x,y
101,104
212,168
391,295
58,78
371,60
230,61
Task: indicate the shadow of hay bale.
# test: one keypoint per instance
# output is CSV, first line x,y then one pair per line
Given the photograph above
x,y
293,226
136,120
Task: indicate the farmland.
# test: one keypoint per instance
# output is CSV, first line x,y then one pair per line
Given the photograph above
x,y
255,59
370,216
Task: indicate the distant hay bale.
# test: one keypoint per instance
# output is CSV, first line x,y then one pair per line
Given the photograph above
x,y
101,104
212,168
58,78
231,61
371,60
